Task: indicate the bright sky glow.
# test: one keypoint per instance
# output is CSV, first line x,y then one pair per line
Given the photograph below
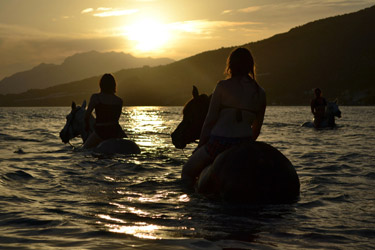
x,y
36,31
149,35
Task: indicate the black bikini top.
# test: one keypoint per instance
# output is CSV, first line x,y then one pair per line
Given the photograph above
x,y
239,117
239,110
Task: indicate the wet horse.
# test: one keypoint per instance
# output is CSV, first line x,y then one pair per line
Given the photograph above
x,y
75,127
251,172
332,111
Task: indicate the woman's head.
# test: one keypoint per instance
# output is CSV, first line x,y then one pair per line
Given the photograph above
x,y
107,84
240,62
317,92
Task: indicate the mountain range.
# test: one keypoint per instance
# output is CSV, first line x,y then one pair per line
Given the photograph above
x,y
336,54
76,67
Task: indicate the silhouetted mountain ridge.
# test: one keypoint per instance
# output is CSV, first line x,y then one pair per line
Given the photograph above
x,y
76,67
336,54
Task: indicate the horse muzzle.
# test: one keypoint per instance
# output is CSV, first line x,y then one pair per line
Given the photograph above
x,y
177,142
63,136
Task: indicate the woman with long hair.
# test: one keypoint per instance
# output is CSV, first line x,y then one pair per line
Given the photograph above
x,y
108,108
235,114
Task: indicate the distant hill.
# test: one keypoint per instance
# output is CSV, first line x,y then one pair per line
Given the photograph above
x,y
336,54
76,67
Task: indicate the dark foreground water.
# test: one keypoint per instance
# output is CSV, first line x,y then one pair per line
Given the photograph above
x,y
52,197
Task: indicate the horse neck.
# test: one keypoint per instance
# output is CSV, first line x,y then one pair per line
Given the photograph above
x,y
84,134
330,117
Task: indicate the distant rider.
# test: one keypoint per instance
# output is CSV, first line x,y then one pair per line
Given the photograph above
x,y
318,107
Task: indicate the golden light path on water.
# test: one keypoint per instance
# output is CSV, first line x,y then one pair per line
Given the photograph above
x,y
143,122
139,229
152,130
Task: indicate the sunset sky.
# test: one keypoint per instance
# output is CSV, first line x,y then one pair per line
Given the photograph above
x,y
35,31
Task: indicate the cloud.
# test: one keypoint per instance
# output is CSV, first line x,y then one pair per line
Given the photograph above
x,y
103,9
109,12
243,10
88,10
207,26
227,12
250,9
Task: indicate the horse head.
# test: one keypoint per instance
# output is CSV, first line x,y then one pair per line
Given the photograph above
x,y
194,113
74,125
333,109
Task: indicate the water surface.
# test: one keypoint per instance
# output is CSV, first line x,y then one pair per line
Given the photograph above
x,y
53,197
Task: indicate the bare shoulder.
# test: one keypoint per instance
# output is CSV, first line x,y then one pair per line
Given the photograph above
x,y
118,100
224,84
94,98
262,94
262,91
114,99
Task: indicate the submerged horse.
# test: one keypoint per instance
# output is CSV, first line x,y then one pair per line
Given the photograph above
x,y
75,127
332,111
251,172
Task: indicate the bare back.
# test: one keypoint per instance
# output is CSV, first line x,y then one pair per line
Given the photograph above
x,y
234,96
237,97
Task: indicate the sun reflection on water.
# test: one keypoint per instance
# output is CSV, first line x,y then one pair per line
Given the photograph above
x,y
142,231
144,212
147,122
145,119
137,229
184,198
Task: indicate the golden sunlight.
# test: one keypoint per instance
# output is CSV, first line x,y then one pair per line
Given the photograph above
x,y
149,35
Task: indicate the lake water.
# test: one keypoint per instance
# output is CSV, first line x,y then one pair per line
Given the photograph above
x,y
52,197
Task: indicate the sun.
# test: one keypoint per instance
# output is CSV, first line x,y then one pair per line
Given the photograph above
x,y
149,35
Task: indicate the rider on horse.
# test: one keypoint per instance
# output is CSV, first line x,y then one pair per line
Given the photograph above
x,y
235,114
108,108
318,107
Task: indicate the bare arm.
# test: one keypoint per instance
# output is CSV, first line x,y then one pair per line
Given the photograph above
x,y
312,105
212,116
258,122
88,112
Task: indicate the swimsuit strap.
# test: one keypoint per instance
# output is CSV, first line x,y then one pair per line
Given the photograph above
x,y
239,111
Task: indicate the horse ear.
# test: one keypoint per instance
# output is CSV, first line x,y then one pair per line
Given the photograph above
x,y
195,92
74,105
83,106
336,101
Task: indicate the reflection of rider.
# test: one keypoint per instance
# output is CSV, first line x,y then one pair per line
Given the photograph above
x,y
318,107
108,109
235,114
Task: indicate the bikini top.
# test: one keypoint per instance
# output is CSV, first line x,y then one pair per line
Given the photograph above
x,y
239,117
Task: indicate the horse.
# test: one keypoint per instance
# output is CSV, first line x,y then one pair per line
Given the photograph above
x,y
252,172
75,127
332,111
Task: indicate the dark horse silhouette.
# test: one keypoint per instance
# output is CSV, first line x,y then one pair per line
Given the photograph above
x,y
250,172
74,127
